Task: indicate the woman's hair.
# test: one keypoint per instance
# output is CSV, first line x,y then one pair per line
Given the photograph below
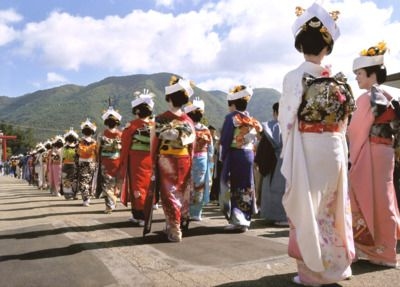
x,y
87,131
111,122
275,107
70,138
178,98
313,37
380,72
58,144
241,103
196,115
142,110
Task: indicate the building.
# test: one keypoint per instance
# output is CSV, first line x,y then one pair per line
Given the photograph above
x,y
393,80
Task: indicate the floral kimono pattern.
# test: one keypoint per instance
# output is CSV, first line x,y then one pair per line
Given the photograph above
x,y
69,171
86,161
313,123
172,152
109,158
55,173
200,194
237,197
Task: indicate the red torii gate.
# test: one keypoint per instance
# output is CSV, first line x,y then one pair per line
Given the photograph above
x,y
4,139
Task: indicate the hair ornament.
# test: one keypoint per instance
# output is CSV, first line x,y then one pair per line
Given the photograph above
x,y
180,85
71,132
111,113
299,11
334,14
378,49
240,91
196,104
325,19
88,124
372,56
143,97
314,24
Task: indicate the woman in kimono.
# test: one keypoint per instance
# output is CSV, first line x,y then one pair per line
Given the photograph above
x,y
55,165
86,160
202,160
136,165
172,151
68,164
109,159
238,136
313,114
371,133
46,164
269,164
40,148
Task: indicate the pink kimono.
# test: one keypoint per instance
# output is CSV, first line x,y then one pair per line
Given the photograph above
x,y
55,171
376,223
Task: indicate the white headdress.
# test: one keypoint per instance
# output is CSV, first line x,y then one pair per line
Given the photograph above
x,y
40,146
240,94
145,97
88,124
47,142
371,57
111,112
196,104
315,10
71,132
180,85
58,138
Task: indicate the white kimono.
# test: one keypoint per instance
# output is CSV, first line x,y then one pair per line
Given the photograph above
x,y
316,198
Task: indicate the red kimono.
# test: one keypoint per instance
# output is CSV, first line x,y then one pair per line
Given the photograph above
x,y
136,165
110,157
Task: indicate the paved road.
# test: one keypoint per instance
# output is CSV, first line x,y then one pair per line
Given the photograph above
x,y
49,241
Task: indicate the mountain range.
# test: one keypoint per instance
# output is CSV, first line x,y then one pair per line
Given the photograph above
x,y
53,111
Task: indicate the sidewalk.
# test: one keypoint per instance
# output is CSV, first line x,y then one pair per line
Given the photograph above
x,y
49,241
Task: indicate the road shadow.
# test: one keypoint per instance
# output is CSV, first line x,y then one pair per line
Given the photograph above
x,y
63,230
364,266
71,204
50,215
276,234
67,250
5,198
271,281
157,237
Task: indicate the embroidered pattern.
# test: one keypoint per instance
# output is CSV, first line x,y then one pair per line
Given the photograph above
x,y
246,129
176,133
110,145
326,99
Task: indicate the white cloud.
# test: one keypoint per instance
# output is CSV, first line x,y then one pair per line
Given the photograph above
x,y
54,78
222,44
165,3
7,33
9,16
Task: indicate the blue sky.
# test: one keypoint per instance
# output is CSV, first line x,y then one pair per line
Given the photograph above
x,y
217,44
